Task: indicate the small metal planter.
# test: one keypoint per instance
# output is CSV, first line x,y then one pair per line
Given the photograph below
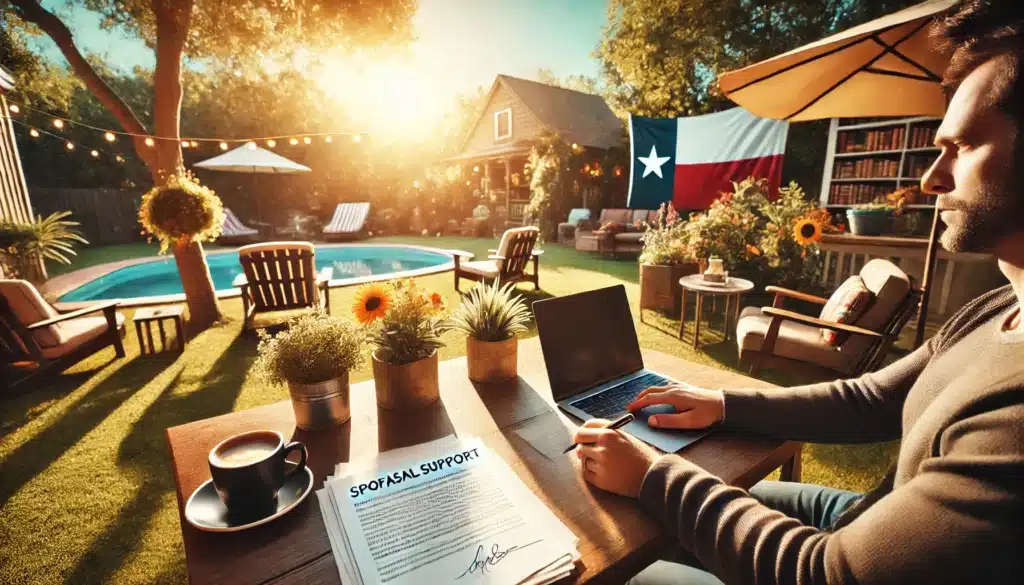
x,y
321,405
404,386
492,361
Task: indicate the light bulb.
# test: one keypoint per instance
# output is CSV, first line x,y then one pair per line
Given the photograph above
x,y
95,153
194,144
33,133
328,139
307,140
58,123
250,145
119,158
14,108
416,184
69,146
476,169
184,143
293,141
149,141
109,136
223,145
271,143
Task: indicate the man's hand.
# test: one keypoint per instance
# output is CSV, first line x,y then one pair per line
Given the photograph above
x,y
613,461
696,408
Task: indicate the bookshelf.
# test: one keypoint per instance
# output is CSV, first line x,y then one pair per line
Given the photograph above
x,y
871,157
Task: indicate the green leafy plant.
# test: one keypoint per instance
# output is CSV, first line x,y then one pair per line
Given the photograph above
x,y
50,238
181,211
481,212
665,242
316,347
404,321
874,207
490,312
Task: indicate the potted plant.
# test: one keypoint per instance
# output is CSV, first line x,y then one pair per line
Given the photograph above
x,y
482,220
491,316
313,356
870,219
405,324
25,245
665,259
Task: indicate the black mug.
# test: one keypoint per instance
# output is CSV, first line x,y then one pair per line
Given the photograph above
x,y
249,469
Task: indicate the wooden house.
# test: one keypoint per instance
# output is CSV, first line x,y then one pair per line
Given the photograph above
x,y
515,113
14,202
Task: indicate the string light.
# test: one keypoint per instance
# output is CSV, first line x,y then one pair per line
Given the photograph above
x,y
33,133
293,141
416,184
95,153
14,108
357,138
250,145
58,123
271,143
69,146
119,158
149,141
194,144
476,169
307,140
110,136
184,143
223,145
328,139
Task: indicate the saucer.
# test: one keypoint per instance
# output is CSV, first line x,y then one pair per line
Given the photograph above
x,y
206,512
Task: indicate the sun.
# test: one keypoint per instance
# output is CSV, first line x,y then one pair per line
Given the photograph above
x,y
372,302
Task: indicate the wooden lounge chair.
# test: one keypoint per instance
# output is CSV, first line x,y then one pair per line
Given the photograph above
x,y
507,263
235,232
347,222
34,334
778,338
280,276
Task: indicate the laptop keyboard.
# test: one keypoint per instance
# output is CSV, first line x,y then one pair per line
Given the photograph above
x,y
611,403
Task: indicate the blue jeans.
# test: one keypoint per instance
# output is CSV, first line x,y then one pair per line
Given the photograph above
x,y
812,505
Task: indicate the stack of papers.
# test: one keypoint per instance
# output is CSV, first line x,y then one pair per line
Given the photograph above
x,y
448,511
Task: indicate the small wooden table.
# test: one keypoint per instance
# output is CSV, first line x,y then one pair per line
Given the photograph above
x,y
732,290
616,538
148,315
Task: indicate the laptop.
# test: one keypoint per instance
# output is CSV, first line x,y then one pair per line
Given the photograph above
x,y
594,363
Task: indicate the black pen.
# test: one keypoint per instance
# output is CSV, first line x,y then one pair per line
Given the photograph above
x,y
615,424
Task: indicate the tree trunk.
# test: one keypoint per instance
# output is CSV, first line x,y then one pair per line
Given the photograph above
x,y
200,296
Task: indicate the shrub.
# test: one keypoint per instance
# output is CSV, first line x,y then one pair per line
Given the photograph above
x,y
315,348
50,238
405,322
490,312
181,211
665,242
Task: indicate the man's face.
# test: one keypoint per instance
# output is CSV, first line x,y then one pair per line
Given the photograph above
x,y
973,175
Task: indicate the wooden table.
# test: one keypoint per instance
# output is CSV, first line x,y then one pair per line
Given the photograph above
x,y
148,315
732,291
616,538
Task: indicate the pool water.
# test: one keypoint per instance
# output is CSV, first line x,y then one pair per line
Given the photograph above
x,y
160,277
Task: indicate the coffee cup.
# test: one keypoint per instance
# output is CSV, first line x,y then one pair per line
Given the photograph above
x,y
249,469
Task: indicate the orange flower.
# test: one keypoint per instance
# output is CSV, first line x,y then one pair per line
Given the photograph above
x,y
753,250
807,232
437,301
372,302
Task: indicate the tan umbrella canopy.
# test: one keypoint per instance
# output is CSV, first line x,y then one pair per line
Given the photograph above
x,y
886,67
252,159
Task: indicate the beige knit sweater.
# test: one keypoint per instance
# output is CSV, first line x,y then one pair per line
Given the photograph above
x,y
953,508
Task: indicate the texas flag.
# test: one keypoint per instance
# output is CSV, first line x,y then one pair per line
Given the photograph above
x,y
692,161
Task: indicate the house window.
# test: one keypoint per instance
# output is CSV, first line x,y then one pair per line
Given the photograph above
x,y
503,124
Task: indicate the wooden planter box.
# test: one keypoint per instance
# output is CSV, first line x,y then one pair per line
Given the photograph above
x,y
659,286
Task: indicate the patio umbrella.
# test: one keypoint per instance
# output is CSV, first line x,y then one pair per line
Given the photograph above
x,y
252,159
886,67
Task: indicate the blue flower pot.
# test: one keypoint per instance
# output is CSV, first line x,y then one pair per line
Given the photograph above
x,y
864,222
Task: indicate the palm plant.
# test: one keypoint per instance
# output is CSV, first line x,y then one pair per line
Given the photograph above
x,y
491,312
50,238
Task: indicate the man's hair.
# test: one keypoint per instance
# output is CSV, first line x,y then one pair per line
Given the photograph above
x,y
978,31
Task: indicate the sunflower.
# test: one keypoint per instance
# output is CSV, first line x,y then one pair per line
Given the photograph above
x,y
807,232
372,302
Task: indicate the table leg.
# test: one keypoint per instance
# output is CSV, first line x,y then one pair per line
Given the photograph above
x,y
179,330
696,320
149,336
138,333
682,314
163,336
725,319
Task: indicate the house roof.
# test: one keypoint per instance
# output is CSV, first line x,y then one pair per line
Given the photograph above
x,y
582,118
6,80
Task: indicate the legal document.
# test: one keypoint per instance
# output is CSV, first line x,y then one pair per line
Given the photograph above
x,y
448,511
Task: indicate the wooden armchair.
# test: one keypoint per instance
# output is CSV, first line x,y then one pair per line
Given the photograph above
x,y
507,263
280,276
33,333
779,338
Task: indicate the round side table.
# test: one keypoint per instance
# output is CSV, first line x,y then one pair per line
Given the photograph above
x,y
732,290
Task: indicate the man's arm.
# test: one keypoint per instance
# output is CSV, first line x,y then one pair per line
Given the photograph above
x,y
958,521
862,410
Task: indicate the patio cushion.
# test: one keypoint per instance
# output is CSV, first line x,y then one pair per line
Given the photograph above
x,y
507,237
628,237
846,305
78,332
488,268
796,341
890,285
29,307
577,215
619,215
613,227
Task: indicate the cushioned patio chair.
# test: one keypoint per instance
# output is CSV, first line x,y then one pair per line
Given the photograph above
x,y
35,334
778,338
235,232
567,229
507,262
280,276
347,222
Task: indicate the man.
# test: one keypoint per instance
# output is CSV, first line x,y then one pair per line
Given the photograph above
x,y
952,509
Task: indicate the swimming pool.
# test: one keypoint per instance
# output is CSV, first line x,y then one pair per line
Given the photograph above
x,y
159,278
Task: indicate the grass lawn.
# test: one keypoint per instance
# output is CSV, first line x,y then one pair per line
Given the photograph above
x,y
86,491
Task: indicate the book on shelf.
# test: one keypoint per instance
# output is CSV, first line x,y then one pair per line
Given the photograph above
x,y
922,137
866,168
871,140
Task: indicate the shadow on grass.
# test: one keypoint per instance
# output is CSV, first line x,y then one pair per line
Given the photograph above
x,y
143,453
28,404
38,453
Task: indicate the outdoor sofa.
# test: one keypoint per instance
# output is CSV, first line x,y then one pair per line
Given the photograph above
x,y
617,231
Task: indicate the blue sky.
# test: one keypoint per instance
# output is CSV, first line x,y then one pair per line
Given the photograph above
x,y
473,40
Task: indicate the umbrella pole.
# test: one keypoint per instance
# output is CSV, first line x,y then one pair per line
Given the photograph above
x,y
929,268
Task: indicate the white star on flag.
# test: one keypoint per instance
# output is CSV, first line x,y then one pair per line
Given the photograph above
x,y
653,162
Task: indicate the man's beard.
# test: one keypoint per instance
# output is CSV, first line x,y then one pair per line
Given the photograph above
x,y
993,214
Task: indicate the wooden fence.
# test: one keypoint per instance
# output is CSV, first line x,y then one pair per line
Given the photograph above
x,y
108,216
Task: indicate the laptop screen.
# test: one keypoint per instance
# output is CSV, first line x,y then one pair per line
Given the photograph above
x,y
587,339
